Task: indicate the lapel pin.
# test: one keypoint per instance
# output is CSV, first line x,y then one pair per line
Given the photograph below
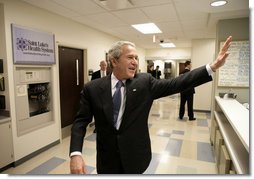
x,y
134,90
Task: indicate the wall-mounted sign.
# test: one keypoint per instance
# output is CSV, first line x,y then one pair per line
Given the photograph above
x,y
32,46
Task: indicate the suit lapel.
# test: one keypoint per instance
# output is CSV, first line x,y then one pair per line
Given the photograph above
x,y
106,98
130,97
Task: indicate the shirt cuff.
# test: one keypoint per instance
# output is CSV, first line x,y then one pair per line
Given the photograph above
x,y
75,153
209,70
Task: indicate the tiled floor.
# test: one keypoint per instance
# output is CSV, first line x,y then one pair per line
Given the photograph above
x,y
178,146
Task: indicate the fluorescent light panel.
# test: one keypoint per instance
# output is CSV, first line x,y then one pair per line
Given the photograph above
x,y
167,45
218,3
148,28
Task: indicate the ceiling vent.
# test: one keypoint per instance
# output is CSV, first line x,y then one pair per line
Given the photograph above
x,y
115,4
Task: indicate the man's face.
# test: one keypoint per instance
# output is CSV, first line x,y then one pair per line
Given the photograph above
x,y
126,66
103,66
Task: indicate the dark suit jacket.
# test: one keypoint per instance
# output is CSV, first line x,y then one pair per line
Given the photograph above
x,y
158,75
96,74
190,90
131,141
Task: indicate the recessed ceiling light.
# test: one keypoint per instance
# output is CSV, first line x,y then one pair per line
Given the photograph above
x,y
148,28
218,3
167,45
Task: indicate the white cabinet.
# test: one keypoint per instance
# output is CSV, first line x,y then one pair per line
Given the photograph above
x,y
230,136
6,146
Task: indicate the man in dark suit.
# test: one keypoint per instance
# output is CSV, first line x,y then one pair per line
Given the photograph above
x,y
187,95
157,73
102,72
123,146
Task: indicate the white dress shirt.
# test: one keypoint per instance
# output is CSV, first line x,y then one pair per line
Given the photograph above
x,y
114,80
103,73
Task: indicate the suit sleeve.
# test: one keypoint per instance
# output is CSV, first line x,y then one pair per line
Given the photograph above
x,y
96,75
82,119
93,76
165,87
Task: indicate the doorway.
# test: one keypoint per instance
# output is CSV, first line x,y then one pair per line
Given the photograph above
x,y
181,68
71,74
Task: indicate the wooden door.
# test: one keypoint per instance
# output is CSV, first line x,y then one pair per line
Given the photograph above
x,y
181,67
71,72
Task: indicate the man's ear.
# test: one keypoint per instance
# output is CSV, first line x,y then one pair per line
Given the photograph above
x,y
114,61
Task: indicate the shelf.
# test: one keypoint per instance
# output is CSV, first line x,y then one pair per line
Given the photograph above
x,y
238,116
237,151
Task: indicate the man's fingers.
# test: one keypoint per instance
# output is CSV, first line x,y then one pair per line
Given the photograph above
x,y
226,45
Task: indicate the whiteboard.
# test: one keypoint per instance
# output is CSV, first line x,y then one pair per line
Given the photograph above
x,y
235,72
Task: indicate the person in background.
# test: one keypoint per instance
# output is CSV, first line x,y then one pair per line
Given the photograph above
x,y
150,69
99,74
187,95
120,104
157,73
102,72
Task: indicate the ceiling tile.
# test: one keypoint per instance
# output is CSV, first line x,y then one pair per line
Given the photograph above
x,y
53,7
144,3
107,19
160,13
131,16
83,7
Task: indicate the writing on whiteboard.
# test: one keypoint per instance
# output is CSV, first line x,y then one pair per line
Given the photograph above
x,y
235,72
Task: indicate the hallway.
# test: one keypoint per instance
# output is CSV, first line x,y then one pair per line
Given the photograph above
x,y
178,147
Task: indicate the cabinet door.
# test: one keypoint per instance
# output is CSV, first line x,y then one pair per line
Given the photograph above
x,y
6,147
214,127
218,143
224,165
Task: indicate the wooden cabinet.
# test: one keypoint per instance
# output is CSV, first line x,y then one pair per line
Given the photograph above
x,y
6,145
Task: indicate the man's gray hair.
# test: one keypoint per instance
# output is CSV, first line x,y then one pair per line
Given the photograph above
x,y
116,50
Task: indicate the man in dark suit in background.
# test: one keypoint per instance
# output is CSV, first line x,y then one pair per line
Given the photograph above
x,y
187,95
123,141
157,73
102,72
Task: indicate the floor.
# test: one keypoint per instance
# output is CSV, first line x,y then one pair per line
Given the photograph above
x,y
178,146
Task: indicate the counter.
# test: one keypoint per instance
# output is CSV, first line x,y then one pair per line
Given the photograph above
x,y
238,116
232,120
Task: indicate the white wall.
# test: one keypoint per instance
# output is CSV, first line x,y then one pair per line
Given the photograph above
x,y
203,52
170,53
173,55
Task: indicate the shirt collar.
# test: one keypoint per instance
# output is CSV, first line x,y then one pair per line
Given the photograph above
x,y
114,80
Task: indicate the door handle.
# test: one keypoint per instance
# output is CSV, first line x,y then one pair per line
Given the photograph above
x,y
77,70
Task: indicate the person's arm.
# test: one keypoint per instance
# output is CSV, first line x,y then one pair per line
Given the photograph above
x,y
78,131
223,54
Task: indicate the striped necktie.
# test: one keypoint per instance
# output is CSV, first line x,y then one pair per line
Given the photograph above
x,y
117,101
